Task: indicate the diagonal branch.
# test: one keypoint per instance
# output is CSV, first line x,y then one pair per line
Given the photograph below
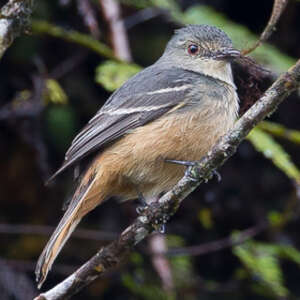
x,y
278,8
14,20
159,212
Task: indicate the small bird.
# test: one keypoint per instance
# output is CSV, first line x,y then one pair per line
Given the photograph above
x,y
176,109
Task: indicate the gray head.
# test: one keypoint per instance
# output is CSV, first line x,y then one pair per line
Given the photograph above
x,y
201,48
201,41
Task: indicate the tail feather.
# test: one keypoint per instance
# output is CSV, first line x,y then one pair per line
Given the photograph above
x,y
68,223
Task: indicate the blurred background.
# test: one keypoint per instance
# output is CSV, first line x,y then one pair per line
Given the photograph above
x,y
237,239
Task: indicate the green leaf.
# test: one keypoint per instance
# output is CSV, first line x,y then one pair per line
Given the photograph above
x,y
205,218
289,252
262,262
263,142
54,93
279,130
112,74
276,219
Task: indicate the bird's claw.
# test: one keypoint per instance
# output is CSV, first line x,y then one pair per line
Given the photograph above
x,y
186,163
160,224
217,174
189,164
162,229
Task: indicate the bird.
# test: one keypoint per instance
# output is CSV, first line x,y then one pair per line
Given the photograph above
x,y
176,109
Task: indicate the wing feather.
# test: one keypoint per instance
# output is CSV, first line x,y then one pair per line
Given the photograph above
x,y
143,98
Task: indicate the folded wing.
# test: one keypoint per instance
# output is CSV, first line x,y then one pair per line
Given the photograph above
x,y
145,97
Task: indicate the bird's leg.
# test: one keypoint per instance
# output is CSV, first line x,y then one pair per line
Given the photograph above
x,y
186,163
159,224
189,165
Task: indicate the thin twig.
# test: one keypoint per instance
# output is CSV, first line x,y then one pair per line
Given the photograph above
x,y
278,8
159,212
143,15
92,235
214,246
89,17
158,245
68,65
14,20
112,13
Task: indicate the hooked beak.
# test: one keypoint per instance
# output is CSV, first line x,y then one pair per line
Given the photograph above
x,y
228,54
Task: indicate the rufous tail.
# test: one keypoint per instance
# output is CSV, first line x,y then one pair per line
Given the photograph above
x,y
79,206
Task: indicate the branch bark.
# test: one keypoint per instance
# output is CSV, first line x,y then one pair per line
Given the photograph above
x,y
157,213
14,20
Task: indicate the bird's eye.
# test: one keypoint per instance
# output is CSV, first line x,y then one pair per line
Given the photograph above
x,y
193,49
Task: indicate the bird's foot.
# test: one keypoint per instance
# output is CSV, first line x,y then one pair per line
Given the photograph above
x,y
186,163
217,174
160,224
142,204
189,165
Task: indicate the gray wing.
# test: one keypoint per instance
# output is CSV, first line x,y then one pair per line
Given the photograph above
x,y
143,98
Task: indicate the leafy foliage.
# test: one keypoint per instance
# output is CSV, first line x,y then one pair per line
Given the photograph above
x,y
54,93
263,263
111,74
265,144
281,131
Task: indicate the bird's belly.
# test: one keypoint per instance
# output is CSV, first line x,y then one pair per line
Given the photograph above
x,y
141,154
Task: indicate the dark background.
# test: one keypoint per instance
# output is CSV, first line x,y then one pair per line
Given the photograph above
x,y
35,133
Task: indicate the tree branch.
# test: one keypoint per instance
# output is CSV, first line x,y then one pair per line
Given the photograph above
x,y
159,212
14,20
84,40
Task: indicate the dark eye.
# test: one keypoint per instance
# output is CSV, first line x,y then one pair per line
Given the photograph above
x,y
193,49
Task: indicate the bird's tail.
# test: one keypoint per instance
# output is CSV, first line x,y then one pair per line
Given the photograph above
x,y
82,202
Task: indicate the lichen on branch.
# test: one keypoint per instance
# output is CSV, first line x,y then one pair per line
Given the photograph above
x,y
14,20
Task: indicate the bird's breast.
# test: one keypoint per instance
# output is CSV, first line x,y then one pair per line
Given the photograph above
x,y
186,135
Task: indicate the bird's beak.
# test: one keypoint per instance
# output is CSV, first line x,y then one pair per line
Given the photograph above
x,y
228,54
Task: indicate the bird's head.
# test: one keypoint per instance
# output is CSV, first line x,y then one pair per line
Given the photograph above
x,y
201,48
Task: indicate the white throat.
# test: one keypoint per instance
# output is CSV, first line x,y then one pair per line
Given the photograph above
x,y
217,69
